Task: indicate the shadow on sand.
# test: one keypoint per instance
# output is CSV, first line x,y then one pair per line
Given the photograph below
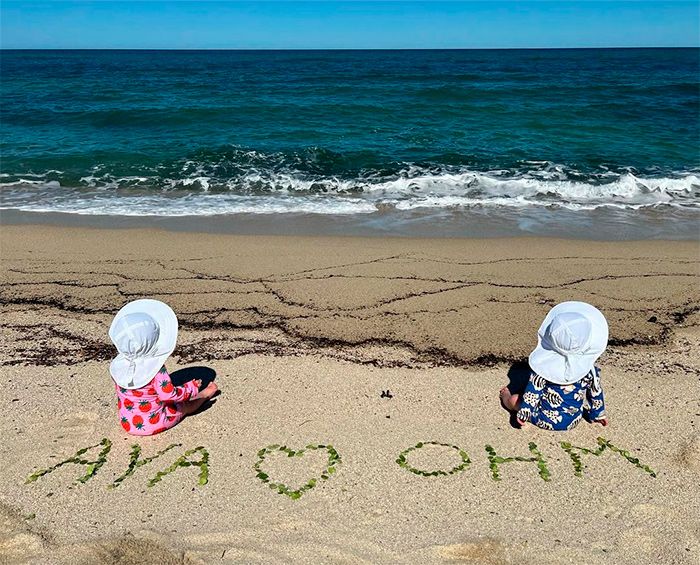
x,y
518,375
181,376
205,374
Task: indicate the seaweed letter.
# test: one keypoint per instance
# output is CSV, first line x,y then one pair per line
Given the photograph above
x,y
78,459
184,461
402,460
575,453
495,461
135,462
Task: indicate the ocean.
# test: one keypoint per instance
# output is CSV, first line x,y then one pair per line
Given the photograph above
x,y
599,143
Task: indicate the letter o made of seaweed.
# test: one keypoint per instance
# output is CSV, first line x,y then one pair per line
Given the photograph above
x,y
402,460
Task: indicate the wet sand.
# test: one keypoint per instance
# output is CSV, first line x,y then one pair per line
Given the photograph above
x,y
603,224
305,334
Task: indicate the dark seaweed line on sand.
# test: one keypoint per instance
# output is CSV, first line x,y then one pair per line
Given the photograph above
x,y
298,343
293,342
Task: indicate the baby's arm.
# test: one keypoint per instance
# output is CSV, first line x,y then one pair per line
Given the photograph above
x,y
167,392
596,400
531,398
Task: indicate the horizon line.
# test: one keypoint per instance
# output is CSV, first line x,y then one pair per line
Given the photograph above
x,y
344,48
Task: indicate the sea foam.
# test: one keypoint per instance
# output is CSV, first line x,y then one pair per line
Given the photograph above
x,y
270,192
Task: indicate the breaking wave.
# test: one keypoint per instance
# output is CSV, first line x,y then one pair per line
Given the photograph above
x,y
196,189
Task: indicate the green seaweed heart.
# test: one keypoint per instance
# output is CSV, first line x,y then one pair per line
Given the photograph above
x,y
331,467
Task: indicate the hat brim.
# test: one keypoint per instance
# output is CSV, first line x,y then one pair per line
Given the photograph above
x,y
551,365
145,368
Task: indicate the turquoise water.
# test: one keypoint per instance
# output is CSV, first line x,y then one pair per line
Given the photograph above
x,y
380,134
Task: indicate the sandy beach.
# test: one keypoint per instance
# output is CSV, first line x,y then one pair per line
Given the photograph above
x,y
306,335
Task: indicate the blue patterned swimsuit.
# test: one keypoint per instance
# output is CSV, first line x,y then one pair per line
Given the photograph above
x,y
560,407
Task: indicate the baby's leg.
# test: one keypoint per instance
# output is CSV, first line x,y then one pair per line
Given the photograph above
x,y
510,401
191,406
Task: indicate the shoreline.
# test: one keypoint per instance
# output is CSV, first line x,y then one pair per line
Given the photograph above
x,y
473,224
304,335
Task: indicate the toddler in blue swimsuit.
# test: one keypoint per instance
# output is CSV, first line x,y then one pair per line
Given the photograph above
x,y
563,373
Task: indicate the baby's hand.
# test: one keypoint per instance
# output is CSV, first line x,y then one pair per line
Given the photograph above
x,y
602,421
521,423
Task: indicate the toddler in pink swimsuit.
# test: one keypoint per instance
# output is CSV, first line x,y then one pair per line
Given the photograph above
x,y
145,333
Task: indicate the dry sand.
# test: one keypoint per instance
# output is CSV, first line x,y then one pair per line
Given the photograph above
x,y
304,335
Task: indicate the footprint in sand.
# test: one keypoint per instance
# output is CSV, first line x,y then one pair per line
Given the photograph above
x,y
80,423
689,454
486,551
17,542
125,550
20,544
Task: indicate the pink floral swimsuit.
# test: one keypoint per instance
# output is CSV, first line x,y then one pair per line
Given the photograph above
x,y
154,407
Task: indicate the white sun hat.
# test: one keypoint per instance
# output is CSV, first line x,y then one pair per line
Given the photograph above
x,y
569,342
145,333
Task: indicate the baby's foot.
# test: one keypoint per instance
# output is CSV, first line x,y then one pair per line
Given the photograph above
x,y
210,390
509,400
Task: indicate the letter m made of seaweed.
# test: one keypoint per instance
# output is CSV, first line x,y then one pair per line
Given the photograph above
x,y
576,452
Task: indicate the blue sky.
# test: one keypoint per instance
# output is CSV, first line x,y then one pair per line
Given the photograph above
x,y
332,25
